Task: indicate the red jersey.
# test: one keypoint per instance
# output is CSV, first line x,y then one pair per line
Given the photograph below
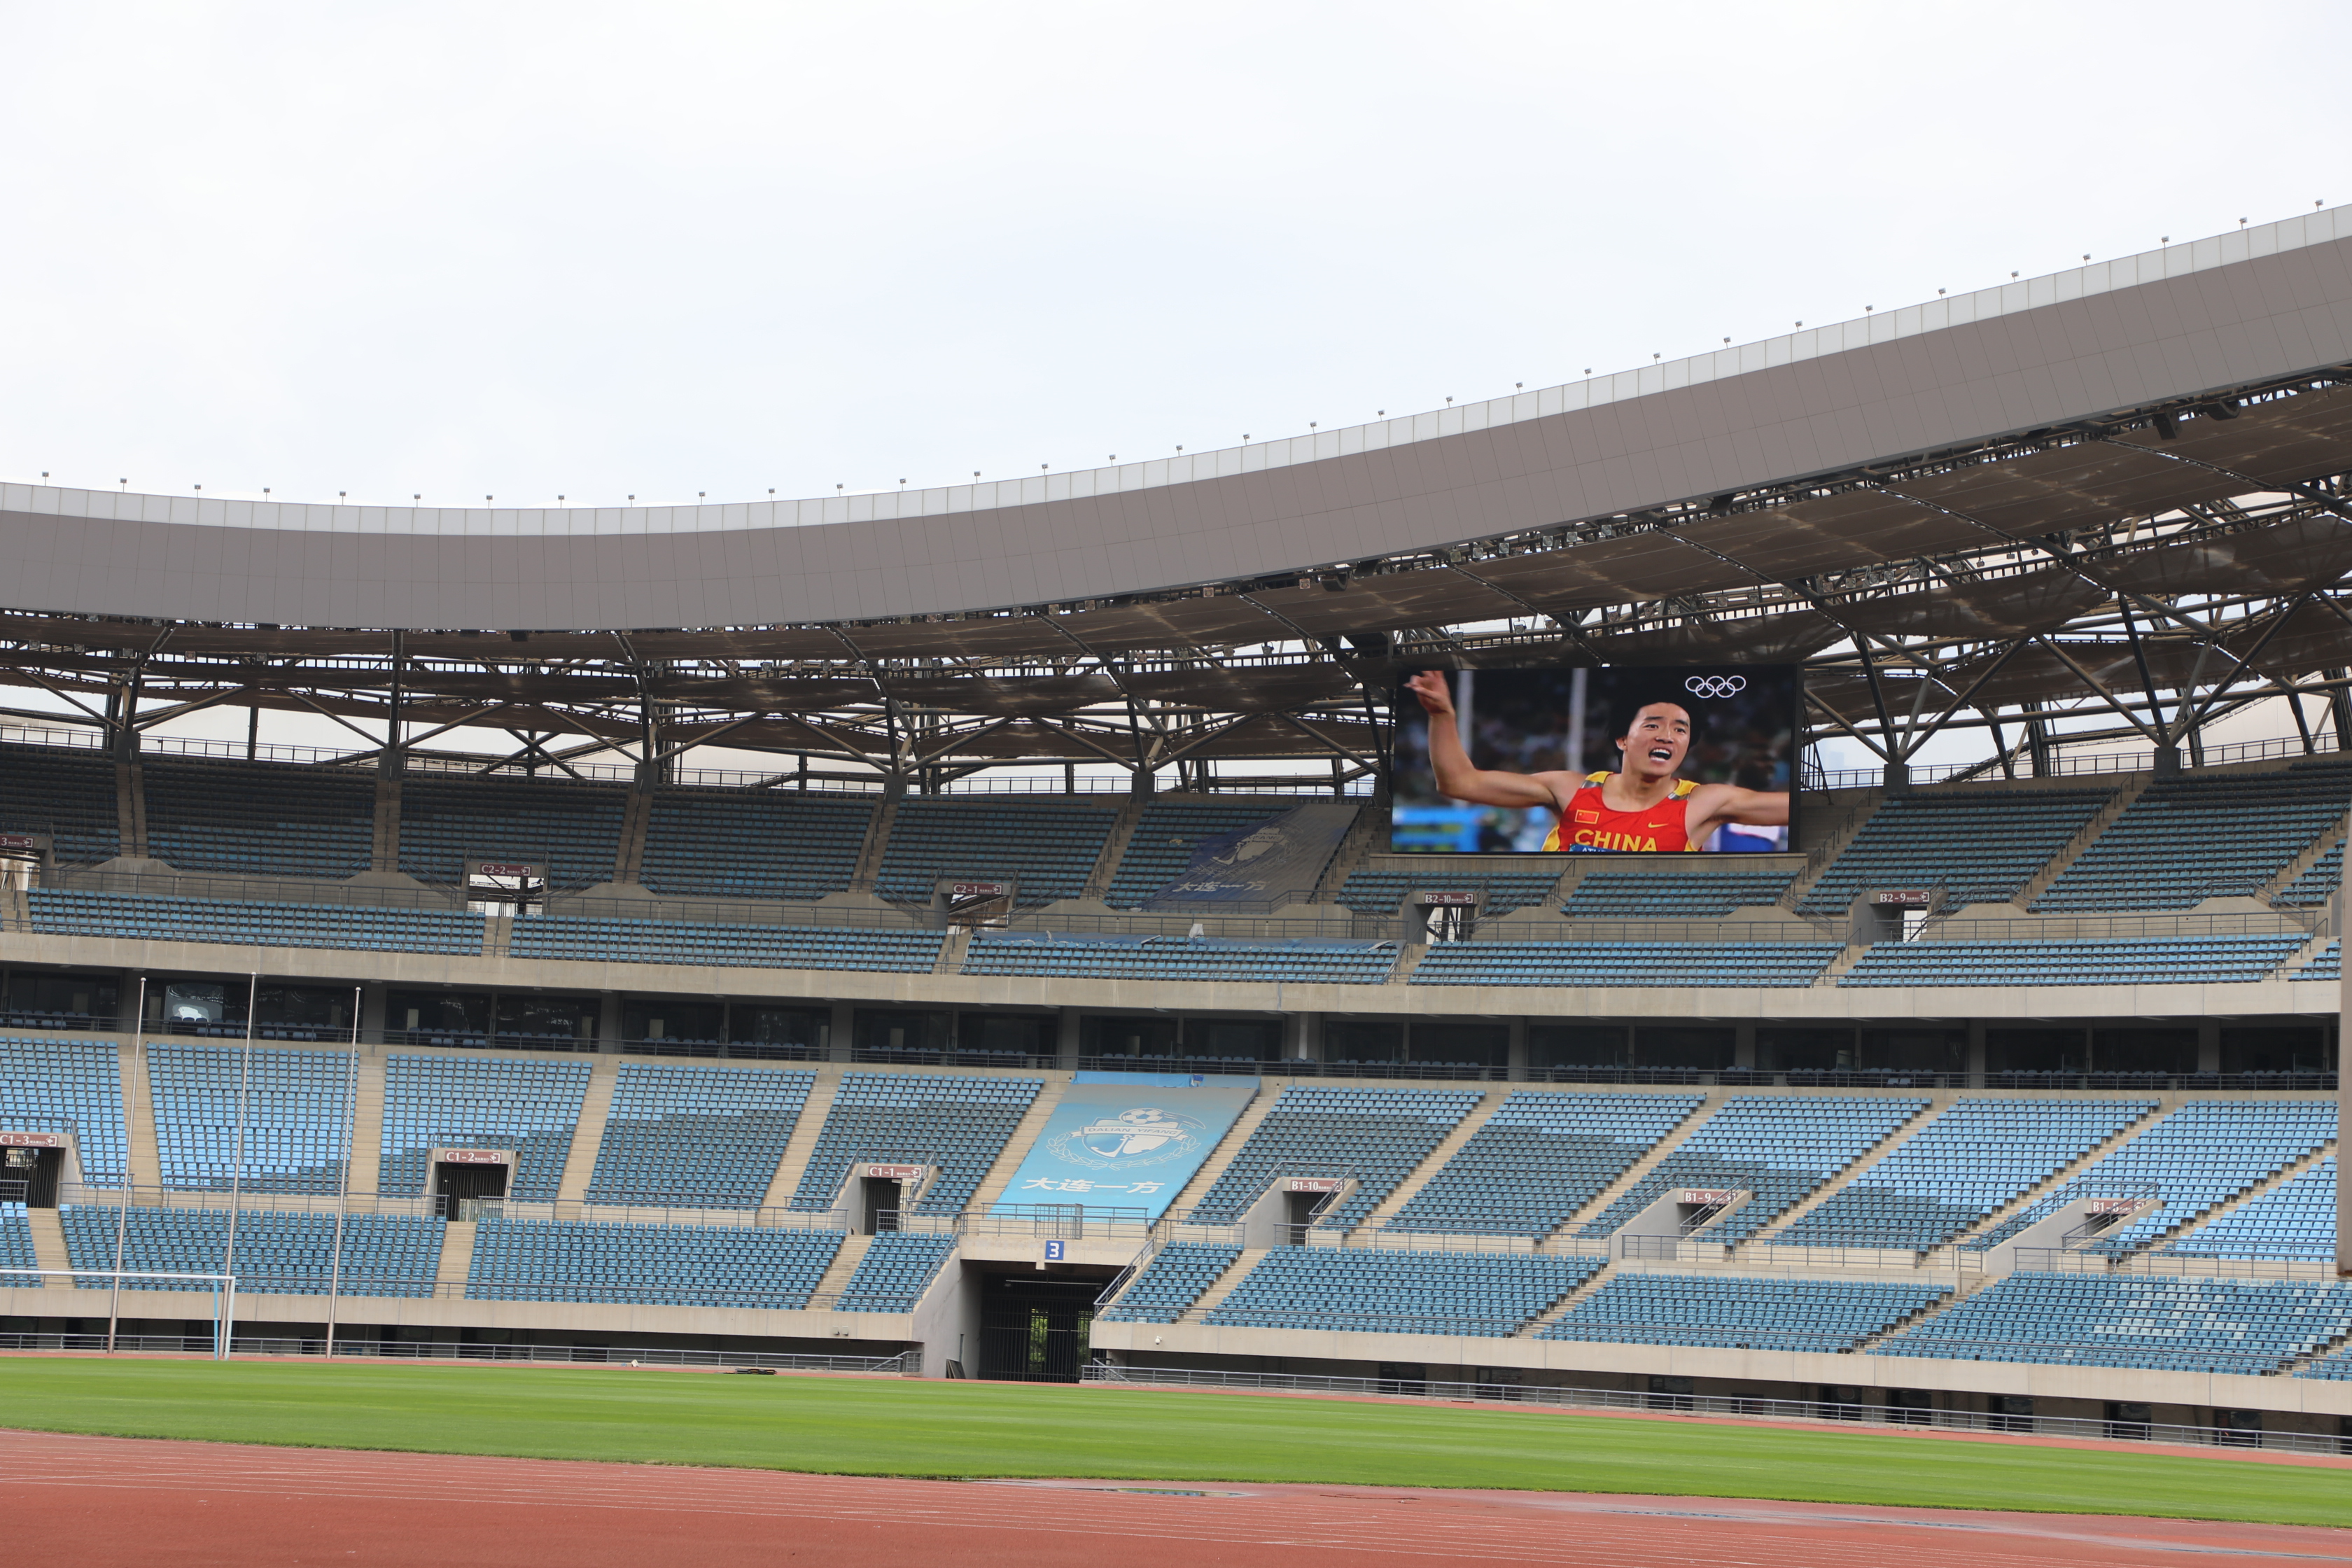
x,y
1591,826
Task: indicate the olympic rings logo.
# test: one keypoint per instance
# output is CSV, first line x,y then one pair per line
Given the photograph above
x,y
1715,685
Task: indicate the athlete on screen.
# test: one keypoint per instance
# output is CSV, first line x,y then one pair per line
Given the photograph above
x,y
1641,807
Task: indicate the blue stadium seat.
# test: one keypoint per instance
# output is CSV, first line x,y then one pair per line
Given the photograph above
x,y
724,946
288,1111
1368,1291
246,923
1820,1315
678,1266
1173,1279
2143,961
696,1137
959,1124
1376,1135
529,1107
1777,1148
2241,1327
895,1272
1539,1159
1179,958
1674,963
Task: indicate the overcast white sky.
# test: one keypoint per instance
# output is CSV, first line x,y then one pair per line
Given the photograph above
x,y
596,250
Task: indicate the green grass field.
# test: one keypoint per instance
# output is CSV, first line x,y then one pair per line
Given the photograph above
x,y
935,1428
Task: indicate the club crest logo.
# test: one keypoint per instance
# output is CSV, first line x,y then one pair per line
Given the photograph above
x,y
1146,1135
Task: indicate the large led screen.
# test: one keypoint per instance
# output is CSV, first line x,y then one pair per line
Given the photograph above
x,y
1619,761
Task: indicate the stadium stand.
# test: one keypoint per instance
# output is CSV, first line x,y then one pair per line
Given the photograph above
x,y
1376,1135
1642,1309
1050,850
68,1086
1175,1278
1539,1159
2246,1327
1760,963
754,844
276,1253
897,1268
696,1137
2294,1220
288,1111
1369,1290
16,1248
68,912
1982,846
1379,892
575,829
2191,1161
683,1266
726,946
1665,895
1776,1149
1160,849
69,795
2187,839
1975,1157
957,1123
1179,958
259,819
529,1107
2148,960
2318,882
2328,963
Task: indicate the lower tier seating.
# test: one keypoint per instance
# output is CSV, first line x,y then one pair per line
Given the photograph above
x,y
276,1254
696,1137
1375,1135
680,1266
1173,1279
960,1124
1777,1148
66,912
1768,963
2328,963
1179,958
2151,961
1739,1314
16,1248
68,1086
725,946
2295,1219
895,1271
1540,1158
2245,1327
1368,1292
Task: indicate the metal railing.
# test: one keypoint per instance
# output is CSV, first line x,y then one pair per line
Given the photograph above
x,y
1805,1410
252,1282
2159,1263
907,1363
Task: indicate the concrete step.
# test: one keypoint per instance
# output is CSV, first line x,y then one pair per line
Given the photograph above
x,y
588,1137
456,1256
1227,1147
1448,1147
802,1142
2100,820
844,1264
50,1246
1016,1148
367,1127
1222,1286
139,1116
1565,1305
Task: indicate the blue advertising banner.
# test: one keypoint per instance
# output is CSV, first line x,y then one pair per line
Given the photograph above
x,y
1123,1145
1278,860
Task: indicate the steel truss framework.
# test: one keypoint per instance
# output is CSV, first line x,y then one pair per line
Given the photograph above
x,y
2162,568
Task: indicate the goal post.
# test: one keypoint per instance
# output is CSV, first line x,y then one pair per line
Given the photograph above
x,y
224,1295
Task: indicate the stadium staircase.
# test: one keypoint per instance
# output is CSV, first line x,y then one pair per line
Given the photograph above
x,y
50,1246
1451,1144
1409,957
2239,1199
498,934
1213,1169
1940,1102
845,1263
367,1120
2100,820
952,952
2165,1105
16,910
1355,849
383,846
1820,857
130,807
802,1144
588,1133
2312,854
1224,1285
877,841
1114,849
1639,1171
1960,1292
457,1258
629,854
145,1163
1534,1327
1016,1148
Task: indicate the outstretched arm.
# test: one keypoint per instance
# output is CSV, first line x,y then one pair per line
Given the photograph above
x,y
1455,777
1713,805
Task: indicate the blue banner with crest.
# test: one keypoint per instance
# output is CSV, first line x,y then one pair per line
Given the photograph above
x,y
1124,1145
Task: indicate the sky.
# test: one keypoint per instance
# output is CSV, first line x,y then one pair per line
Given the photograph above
x,y
597,250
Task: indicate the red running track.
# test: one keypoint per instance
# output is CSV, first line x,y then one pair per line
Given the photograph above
x,y
107,1500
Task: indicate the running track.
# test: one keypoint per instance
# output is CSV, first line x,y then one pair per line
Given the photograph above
x,y
108,1500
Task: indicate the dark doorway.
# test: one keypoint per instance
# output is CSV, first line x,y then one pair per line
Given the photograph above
x,y
876,1197
39,1171
1036,1331
455,1184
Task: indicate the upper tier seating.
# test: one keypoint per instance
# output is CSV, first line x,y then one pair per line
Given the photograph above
x,y
70,913
1374,1291
1982,844
684,1136
1676,964
2202,1154
1777,1149
1667,895
1173,1279
896,1270
68,795
2185,840
276,1254
727,946
2145,961
293,1124
1376,1135
16,1248
1160,849
1371,892
2295,1219
680,1266
530,1107
1978,1156
1738,1314
957,1123
2318,882
259,819
754,844
68,1086
1179,958
1539,1159
2328,963
574,828
1049,850
2236,1326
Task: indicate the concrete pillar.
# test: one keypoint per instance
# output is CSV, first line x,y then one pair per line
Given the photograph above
x,y
1065,1039
608,1021
2209,1045
838,1032
1743,1044
1976,1053
374,998
126,999
1519,1058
